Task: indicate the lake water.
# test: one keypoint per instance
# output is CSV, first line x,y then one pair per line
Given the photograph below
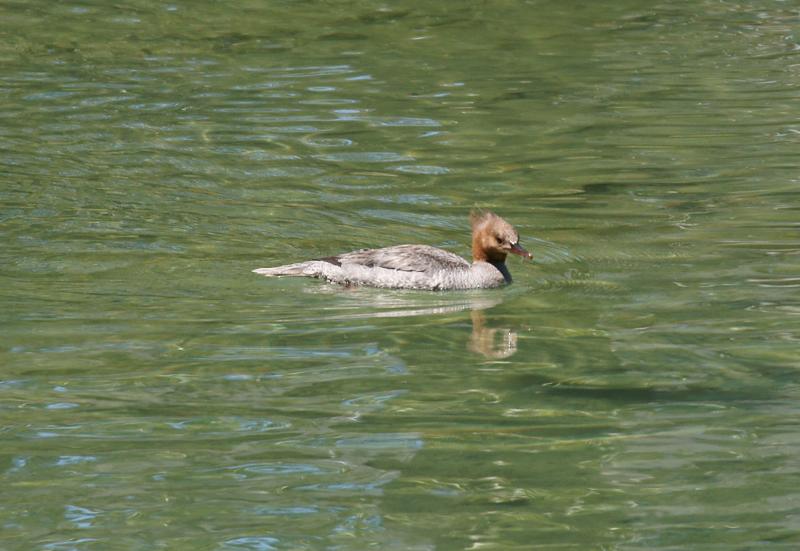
x,y
636,388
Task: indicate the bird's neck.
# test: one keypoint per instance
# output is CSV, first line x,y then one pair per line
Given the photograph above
x,y
480,254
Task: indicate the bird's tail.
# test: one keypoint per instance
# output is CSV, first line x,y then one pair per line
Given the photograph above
x,y
298,269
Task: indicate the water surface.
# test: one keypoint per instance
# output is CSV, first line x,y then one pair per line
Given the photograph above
x,y
636,388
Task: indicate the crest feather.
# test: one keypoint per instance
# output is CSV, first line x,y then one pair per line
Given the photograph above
x,y
478,217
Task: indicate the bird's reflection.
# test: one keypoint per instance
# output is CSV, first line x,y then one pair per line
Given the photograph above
x,y
490,342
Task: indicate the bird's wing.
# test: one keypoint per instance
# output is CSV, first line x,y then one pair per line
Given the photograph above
x,y
408,258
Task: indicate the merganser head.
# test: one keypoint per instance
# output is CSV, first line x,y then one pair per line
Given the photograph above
x,y
493,238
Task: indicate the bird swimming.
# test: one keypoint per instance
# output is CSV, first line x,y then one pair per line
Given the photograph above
x,y
421,266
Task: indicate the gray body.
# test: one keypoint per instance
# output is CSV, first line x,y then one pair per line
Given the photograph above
x,y
400,267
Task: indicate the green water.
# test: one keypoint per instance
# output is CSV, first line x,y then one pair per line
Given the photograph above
x,y
635,389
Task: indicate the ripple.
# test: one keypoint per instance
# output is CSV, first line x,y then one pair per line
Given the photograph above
x,y
62,405
262,425
405,121
264,155
328,101
382,441
256,543
365,157
65,460
350,182
328,142
279,469
238,377
776,282
286,172
155,106
49,96
547,252
293,129
422,169
281,511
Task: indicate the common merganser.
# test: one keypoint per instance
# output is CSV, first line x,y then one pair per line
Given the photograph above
x,y
421,266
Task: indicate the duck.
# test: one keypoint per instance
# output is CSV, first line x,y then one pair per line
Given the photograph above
x,y
420,267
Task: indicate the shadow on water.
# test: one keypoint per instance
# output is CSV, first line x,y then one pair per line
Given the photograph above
x,y
633,395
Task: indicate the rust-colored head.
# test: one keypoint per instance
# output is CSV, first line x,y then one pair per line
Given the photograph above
x,y
493,238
